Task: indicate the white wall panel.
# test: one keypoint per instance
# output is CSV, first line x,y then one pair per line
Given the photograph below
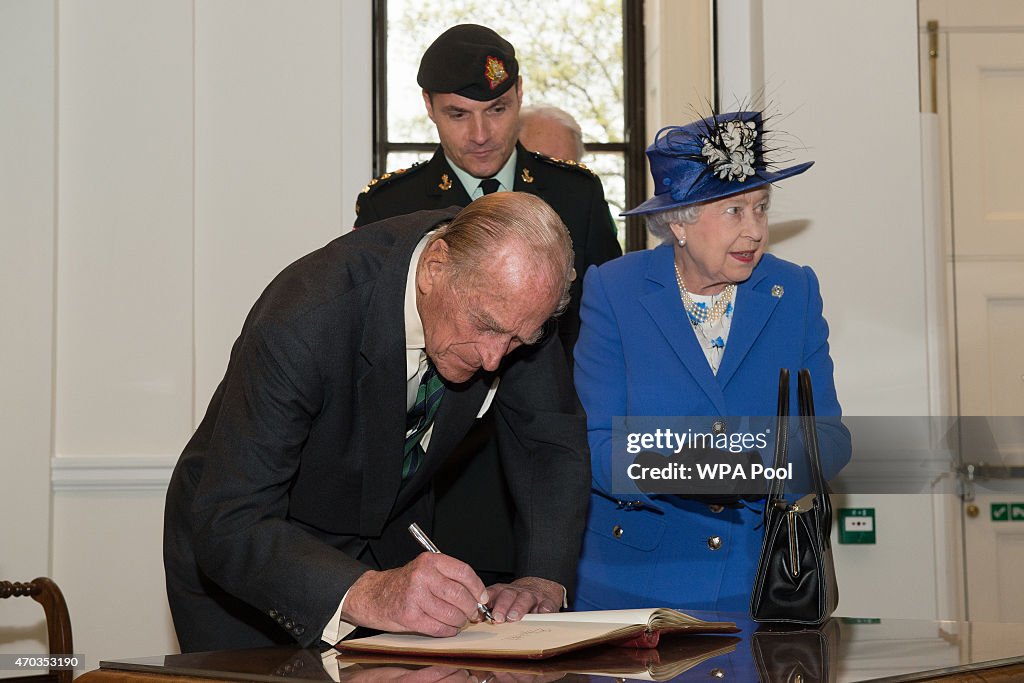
x,y
27,81
856,215
124,286
107,548
268,157
857,218
356,112
874,579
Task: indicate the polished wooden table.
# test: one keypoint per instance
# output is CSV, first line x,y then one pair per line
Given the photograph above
x,y
845,650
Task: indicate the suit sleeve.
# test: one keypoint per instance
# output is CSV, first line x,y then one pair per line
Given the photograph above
x,y
542,444
243,540
600,375
833,436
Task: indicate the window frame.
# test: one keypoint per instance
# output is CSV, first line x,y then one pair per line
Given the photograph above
x,y
634,114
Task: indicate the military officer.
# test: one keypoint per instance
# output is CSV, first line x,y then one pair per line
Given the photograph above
x,y
472,91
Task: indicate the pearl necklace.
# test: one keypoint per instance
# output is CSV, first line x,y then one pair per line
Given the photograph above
x,y
702,314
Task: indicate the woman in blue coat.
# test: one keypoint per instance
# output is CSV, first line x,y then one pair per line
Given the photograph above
x,y
699,327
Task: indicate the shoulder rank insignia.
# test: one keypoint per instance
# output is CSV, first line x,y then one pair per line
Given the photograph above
x,y
384,178
564,163
446,183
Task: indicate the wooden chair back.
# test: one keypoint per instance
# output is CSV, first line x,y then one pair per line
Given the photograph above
x,y
58,622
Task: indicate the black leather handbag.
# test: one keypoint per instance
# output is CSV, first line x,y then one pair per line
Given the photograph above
x,y
796,578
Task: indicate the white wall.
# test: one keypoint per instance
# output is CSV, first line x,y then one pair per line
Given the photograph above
x,y
171,158
27,140
844,75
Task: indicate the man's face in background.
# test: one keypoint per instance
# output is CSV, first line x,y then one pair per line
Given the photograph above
x,y
477,136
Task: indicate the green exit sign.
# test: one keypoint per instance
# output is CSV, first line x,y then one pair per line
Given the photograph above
x,y
857,525
1007,512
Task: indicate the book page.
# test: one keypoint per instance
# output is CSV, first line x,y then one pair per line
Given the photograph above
x,y
510,638
611,616
654,617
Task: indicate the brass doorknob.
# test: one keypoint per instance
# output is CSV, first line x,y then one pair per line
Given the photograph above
x,y
971,510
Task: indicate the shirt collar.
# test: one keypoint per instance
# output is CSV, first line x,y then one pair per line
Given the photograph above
x,y
506,177
415,340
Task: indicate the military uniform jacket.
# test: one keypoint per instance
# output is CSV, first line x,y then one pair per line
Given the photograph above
x,y
291,487
574,192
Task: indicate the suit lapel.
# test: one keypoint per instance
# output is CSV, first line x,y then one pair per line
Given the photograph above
x,y
381,388
753,309
665,307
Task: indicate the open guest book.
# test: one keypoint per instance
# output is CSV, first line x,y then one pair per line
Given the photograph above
x,y
539,636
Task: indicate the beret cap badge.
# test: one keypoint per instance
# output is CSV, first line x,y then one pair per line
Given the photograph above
x,y
495,72
471,61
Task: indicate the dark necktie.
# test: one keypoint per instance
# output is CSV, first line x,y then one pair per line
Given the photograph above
x,y
428,398
489,185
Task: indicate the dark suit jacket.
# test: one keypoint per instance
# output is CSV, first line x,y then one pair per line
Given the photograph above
x,y
291,487
574,192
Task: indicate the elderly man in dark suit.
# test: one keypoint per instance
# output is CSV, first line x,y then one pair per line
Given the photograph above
x,y
356,373
472,91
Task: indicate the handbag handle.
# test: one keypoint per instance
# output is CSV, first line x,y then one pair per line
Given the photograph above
x,y
805,398
777,488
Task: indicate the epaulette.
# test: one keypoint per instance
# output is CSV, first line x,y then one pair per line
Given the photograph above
x,y
385,178
564,163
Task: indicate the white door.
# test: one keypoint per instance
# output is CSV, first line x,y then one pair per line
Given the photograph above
x,y
981,91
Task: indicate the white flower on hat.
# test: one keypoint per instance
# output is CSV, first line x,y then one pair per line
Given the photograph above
x,y
730,149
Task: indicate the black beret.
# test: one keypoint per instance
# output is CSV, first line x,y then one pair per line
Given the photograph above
x,y
469,60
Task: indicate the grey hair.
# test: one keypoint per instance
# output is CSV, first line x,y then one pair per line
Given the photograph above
x,y
660,224
503,217
553,113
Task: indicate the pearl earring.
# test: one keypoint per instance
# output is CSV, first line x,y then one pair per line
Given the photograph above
x,y
682,241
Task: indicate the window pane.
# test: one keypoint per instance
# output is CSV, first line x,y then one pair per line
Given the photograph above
x,y
570,56
611,168
397,161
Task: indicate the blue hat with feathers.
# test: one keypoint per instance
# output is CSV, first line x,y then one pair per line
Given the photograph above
x,y
715,157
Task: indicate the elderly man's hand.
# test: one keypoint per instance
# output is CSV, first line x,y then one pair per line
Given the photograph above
x,y
510,601
434,595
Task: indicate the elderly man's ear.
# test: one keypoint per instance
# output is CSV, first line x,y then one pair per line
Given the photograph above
x,y
433,266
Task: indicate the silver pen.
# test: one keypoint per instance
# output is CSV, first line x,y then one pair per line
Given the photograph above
x,y
429,546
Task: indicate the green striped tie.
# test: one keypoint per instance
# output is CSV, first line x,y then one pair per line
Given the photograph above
x,y
428,398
